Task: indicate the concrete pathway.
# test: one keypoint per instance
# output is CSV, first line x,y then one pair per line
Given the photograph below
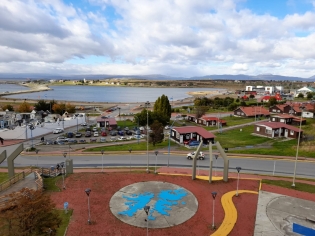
x,y
28,182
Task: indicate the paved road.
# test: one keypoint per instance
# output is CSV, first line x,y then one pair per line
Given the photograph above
x,y
249,165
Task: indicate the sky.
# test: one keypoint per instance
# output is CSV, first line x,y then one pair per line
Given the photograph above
x,y
182,38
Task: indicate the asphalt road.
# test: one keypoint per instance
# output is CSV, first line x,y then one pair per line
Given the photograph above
x,y
266,166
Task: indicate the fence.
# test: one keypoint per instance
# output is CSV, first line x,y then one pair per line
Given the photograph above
x,y
48,172
39,181
16,178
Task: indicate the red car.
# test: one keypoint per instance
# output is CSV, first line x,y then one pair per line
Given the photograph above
x,y
186,142
104,133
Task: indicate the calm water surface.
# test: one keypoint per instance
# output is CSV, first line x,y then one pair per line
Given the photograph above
x,y
109,94
11,88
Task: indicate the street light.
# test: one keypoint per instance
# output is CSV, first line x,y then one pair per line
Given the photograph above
x,y
215,169
77,117
102,151
238,179
37,157
169,143
130,158
156,153
65,156
32,127
297,148
146,210
147,104
88,191
214,194
119,113
137,128
62,164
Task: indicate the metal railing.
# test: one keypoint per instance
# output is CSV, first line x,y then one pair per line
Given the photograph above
x,y
13,180
39,181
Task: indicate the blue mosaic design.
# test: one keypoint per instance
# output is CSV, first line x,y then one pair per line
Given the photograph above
x,y
165,200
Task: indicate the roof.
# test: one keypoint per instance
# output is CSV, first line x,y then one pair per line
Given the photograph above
x,y
284,116
208,118
281,106
278,98
277,125
194,129
111,121
254,110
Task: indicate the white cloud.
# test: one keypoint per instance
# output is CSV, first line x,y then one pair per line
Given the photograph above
x,y
179,37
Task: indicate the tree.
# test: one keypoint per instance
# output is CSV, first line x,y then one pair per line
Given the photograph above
x,y
70,108
162,106
42,105
200,111
7,107
252,96
59,108
309,95
301,95
25,107
29,213
157,134
272,101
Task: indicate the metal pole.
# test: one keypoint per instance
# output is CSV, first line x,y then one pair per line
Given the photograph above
x,y
215,168
147,139
37,157
213,226
89,220
156,153
297,151
77,125
102,160
274,168
63,178
169,143
130,159
238,177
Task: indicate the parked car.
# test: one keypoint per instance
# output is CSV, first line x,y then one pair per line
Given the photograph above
x,y
128,132
94,129
192,154
50,142
70,135
122,139
95,134
73,141
102,140
78,135
62,139
113,139
194,143
121,133
113,133
186,142
126,128
84,124
60,142
104,133
82,141
88,134
58,131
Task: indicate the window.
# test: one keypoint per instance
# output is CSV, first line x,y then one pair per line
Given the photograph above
x,y
291,132
257,129
268,131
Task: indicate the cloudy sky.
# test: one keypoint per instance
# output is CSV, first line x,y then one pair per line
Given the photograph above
x,y
171,37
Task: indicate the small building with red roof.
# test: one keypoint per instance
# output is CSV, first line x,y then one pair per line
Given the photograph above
x,y
280,108
107,122
185,133
287,119
267,98
258,111
277,130
210,121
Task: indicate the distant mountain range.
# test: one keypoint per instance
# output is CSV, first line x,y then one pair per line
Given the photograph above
x,y
7,76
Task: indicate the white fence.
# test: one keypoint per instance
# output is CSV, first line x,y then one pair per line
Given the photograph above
x,y
24,132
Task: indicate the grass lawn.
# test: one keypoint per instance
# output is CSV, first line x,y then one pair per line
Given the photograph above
x,y
50,183
126,123
65,221
237,138
3,177
288,184
134,146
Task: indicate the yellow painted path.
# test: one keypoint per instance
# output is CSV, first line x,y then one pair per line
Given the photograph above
x,y
230,213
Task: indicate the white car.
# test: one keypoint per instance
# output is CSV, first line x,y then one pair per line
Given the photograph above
x,y
94,129
192,154
167,127
122,139
57,131
95,134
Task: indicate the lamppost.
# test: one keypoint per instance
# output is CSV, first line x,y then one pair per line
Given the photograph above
x,y
169,143
77,123
32,127
137,127
102,151
238,179
88,191
65,156
215,169
119,113
37,157
214,194
130,158
156,153
147,104
62,164
297,148
146,210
